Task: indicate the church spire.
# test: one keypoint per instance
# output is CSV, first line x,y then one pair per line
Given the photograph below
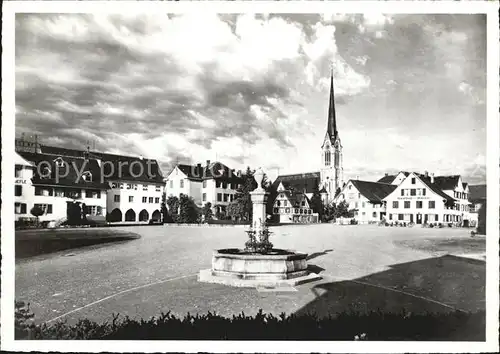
x,y
332,121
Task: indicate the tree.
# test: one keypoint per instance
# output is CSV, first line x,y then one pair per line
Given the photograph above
x,y
73,213
316,202
173,208
207,211
235,210
36,212
188,211
242,197
342,210
164,210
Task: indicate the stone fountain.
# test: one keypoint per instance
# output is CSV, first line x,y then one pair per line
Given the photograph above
x,y
258,265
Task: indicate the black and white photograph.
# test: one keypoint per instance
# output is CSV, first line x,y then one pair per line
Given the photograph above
x,y
317,177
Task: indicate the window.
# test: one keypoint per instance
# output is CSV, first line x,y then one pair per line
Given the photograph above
x,y
413,180
374,214
413,192
356,205
287,210
419,204
363,204
350,186
423,191
309,211
117,198
225,197
217,184
59,192
276,210
395,205
19,172
407,204
182,183
92,193
224,185
171,185
303,203
436,218
19,191
327,158
204,184
219,197
19,208
121,185
129,186
400,216
144,199
432,204
390,216
285,203
296,211
157,200
278,203
130,198
231,197
158,188
47,208
46,192
151,199
204,197
402,192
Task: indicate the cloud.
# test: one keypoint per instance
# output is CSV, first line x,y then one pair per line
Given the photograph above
x,y
252,89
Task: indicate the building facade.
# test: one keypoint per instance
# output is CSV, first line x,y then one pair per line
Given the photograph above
x,y
425,199
293,207
213,183
365,199
117,187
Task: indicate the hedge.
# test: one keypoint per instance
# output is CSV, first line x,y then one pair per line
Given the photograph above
x,y
376,326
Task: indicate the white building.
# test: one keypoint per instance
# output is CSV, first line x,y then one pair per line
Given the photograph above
x,y
49,182
213,183
428,199
293,207
365,199
121,188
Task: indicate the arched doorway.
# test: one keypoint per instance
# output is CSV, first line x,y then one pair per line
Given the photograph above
x,y
143,215
130,215
116,215
156,215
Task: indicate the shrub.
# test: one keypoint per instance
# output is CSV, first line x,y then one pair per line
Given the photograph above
x,y
343,326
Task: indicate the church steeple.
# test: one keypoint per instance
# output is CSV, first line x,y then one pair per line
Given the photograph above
x,y
332,120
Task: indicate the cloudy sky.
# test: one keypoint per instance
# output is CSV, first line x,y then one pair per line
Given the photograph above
x,y
253,89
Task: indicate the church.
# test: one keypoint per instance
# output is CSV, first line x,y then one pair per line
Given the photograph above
x,y
291,194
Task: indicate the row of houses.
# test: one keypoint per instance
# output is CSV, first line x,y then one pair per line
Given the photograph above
x,y
115,187
124,188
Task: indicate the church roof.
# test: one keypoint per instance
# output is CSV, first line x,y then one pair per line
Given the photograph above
x,y
373,191
446,182
299,182
332,119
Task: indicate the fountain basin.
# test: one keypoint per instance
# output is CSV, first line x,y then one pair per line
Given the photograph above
x,y
241,268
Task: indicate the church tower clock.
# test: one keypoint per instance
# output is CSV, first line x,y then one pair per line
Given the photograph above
x,y
332,172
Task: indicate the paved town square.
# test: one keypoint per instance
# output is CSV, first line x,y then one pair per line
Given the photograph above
x,y
363,268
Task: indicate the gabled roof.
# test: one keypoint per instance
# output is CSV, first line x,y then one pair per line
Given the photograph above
x,y
436,187
295,197
299,182
66,176
373,191
477,192
150,171
388,179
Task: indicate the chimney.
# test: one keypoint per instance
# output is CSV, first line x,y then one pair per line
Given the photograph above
x,y
386,174
432,177
426,173
239,173
208,163
357,178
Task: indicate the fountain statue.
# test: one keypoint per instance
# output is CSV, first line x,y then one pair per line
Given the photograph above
x,y
258,264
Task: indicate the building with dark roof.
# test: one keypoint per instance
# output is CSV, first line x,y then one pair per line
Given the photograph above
x,y
131,188
213,183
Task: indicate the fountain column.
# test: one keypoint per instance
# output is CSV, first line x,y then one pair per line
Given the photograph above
x,y
259,198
